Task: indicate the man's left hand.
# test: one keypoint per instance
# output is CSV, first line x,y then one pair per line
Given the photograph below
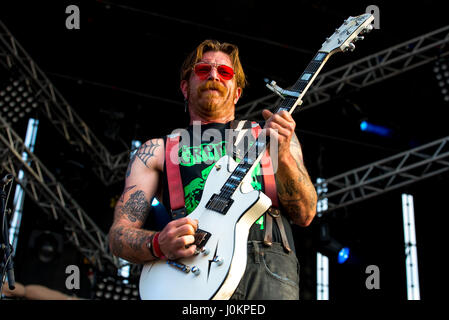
x,y
281,126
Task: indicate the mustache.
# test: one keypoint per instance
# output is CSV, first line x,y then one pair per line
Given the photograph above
x,y
212,85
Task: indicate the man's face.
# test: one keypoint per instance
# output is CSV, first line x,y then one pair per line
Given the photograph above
x,y
212,95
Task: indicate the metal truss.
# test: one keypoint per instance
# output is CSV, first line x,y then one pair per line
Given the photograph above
x,y
109,168
43,188
361,73
385,175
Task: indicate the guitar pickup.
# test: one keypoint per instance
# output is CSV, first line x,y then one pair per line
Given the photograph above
x,y
219,204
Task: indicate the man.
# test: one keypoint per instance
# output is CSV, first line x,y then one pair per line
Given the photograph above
x,y
212,81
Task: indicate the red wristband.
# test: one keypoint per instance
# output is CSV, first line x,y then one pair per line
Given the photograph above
x,y
157,250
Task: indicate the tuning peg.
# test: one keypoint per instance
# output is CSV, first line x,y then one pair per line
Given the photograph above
x,y
368,28
350,47
359,38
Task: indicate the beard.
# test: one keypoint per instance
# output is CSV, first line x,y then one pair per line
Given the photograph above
x,y
212,97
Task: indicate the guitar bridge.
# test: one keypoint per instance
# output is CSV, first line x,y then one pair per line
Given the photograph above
x,y
201,238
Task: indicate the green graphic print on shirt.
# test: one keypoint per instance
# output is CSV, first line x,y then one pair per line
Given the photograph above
x,y
196,155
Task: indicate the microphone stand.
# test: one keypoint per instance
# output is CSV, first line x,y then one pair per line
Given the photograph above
x,y
8,268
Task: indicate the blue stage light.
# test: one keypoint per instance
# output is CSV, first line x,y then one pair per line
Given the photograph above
x,y
363,125
343,255
376,129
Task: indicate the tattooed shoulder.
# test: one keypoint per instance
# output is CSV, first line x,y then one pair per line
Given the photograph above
x,y
147,150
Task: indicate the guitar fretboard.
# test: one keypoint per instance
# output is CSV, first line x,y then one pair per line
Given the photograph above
x,y
304,81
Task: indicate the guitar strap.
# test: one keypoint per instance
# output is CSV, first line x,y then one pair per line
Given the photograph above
x,y
176,190
175,187
270,190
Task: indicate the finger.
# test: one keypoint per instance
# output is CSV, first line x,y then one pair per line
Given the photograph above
x,y
182,221
186,229
184,253
189,251
286,115
280,131
179,222
185,241
284,122
194,223
266,114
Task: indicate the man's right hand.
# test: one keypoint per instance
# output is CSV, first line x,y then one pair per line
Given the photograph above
x,y
177,238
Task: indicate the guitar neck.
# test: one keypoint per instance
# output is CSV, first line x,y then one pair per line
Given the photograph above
x,y
303,83
342,40
255,152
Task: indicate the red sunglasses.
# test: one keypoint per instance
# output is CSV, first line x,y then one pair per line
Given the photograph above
x,y
203,69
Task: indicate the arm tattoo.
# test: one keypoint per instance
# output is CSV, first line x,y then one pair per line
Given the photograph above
x,y
136,207
136,239
115,239
293,191
146,151
129,243
289,188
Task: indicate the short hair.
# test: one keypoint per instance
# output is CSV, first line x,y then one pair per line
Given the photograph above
x,y
214,45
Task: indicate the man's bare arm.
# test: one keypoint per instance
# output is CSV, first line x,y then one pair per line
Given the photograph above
x,y
127,239
296,191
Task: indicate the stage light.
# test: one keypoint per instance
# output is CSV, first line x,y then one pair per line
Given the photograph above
x,y
155,202
16,101
330,246
375,129
411,254
115,288
363,125
442,76
343,255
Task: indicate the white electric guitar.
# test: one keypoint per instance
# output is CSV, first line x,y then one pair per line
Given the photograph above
x,y
230,206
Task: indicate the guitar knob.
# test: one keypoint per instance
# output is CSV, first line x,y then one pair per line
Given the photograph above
x,y
195,270
204,251
218,260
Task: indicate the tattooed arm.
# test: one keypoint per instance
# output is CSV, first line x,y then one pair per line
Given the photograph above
x,y
127,239
295,189
296,193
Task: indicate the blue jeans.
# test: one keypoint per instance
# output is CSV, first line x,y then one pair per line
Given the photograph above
x,y
271,274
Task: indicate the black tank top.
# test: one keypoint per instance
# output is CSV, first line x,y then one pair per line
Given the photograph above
x,y
198,151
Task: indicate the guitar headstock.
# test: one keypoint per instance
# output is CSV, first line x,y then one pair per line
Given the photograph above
x,y
344,37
